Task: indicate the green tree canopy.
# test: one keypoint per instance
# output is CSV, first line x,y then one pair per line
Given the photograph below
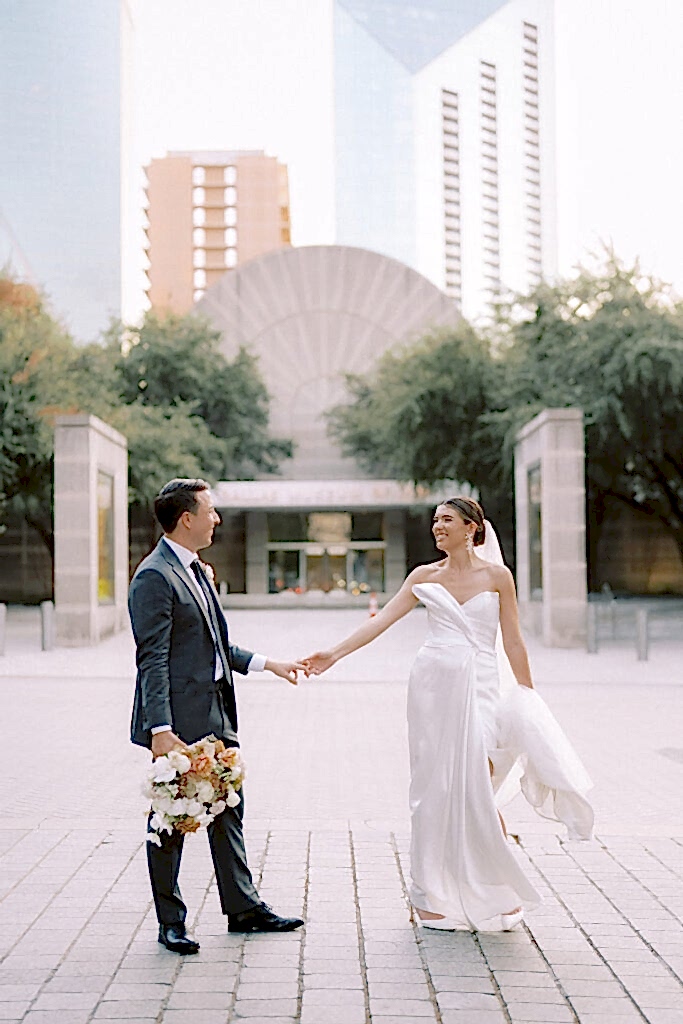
x,y
610,343
417,416
178,360
35,359
185,409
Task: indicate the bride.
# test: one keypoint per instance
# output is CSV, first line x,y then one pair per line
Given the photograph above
x,y
477,731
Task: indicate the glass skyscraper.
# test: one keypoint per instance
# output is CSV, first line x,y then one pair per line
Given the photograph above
x,y
60,176
379,46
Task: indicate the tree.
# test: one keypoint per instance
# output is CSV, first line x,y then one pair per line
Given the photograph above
x,y
35,356
184,408
416,417
420,417
175,360
163,442
610,343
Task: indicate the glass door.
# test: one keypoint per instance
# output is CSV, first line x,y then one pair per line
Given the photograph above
x,y
336,567
326,568
316,576
284,572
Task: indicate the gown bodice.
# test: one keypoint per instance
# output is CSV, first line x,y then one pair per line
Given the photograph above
x,y
474,623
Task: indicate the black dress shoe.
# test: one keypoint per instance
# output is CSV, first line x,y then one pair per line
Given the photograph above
x,y
174,938
262,918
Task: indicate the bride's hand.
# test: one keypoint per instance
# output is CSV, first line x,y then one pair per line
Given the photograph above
x,y
319,662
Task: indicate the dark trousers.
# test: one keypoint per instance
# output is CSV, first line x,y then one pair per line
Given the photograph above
x,y
235,885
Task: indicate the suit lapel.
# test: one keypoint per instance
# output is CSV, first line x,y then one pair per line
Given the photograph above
x,y
186,578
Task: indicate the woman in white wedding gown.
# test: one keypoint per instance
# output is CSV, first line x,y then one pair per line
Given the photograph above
x,y
475,725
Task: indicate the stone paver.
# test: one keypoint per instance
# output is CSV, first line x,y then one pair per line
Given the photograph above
x,y
327,835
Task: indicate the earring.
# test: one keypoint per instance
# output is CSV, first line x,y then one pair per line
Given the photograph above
x,y
469,544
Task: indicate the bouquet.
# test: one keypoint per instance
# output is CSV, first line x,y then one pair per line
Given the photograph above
x,y
188,788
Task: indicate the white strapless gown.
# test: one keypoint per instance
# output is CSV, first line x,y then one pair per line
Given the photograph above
x,y
462,866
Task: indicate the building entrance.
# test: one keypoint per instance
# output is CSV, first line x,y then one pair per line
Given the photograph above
x,y
328,552
301,568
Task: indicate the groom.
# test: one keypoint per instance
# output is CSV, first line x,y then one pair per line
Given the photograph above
x,y
184,691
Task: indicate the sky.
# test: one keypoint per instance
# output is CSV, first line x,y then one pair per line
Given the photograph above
x,y
231,74
252,74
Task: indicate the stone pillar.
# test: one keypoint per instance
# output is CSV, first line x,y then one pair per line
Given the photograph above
x,y
550,504
91,530
257,553
395,552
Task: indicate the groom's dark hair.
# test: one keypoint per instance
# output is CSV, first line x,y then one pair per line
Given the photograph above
x,y
176,497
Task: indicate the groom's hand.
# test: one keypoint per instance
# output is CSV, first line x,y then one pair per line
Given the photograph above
x,y
286,669
316,664
165,742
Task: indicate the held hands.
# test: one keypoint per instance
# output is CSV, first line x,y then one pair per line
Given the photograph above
x,y
286,669
316,664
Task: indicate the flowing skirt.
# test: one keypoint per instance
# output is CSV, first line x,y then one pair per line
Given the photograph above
x,y
459,725
462,866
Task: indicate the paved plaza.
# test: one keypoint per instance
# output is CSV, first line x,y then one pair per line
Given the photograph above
x,y
327,833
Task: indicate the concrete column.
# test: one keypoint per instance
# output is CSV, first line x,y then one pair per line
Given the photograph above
x,y
395,552
552,446
85,610
257,553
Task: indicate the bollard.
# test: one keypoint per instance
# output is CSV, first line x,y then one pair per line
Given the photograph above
x,y
3,627
47,625
222,589
610,600
591,628
642,637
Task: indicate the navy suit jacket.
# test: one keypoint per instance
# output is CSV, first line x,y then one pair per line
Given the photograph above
x,y
176,653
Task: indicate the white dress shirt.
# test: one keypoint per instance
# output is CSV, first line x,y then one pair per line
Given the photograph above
x,y
257,662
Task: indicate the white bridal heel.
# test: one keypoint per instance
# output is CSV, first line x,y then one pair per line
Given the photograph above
x,y
440,924
510,921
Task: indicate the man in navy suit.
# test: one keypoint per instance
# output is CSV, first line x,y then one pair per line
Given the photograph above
x,y
184,691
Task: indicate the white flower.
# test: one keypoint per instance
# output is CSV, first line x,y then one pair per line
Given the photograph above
x,y
218,807
163,811
180,762
232,799
163,770
152,837
159,823
204,792
178,806
204,819
193,808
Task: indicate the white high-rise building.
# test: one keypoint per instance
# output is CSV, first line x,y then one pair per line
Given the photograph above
x,y
491,144
485,210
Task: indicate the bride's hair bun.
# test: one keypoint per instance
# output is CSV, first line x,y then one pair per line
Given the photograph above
x,y
472,512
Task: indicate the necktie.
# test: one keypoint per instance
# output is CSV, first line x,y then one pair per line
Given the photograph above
x,y
205,587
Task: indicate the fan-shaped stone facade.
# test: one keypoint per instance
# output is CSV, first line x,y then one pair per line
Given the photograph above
x,y
312,315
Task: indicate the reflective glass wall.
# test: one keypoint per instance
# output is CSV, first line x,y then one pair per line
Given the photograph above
x,y
374,144
60,175
326,551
